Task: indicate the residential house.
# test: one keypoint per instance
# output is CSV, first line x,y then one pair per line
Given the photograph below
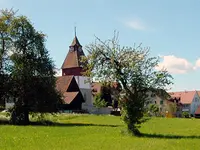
x,y
189,100
197,112
159,99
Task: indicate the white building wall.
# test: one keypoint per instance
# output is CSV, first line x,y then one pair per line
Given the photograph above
x,y
86,90
83,82
195,103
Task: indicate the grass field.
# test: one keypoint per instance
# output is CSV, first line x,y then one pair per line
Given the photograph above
x,y
81,132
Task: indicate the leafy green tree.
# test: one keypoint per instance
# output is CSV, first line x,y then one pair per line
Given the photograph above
x,y
133,69
31,71
98,101
6,17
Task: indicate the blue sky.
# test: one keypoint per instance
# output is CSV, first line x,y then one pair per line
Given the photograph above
x,y
171,28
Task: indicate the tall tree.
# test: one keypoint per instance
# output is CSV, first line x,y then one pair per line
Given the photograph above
x,y
133,68
31,72
6,17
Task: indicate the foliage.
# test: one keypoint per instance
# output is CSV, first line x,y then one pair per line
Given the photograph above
x,y
154,109
31,70
6,17
186,114
98,101
133,69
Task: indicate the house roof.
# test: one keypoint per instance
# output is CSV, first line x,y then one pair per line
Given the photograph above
x,y
96,86
63,82
69,96
186,97
73,58
198,92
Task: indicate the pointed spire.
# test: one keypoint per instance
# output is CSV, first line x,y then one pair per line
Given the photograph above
x,y
75,31
75,40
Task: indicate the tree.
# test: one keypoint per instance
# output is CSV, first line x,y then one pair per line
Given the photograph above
x,y
133,69
6,17
98,101
31,71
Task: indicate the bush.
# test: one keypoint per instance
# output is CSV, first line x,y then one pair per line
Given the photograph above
x,y
98,101
186,114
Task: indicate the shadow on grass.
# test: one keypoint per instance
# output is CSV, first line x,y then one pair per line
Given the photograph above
x,y
54,124
4,122
49,123
168,136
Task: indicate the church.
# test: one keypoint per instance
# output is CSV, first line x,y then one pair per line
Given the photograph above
x,y
73,85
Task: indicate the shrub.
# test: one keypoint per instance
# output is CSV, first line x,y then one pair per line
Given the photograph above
x,y
186,114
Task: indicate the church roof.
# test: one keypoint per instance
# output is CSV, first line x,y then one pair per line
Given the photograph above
x,y
69,96
63,82
73,58
75,42
68,87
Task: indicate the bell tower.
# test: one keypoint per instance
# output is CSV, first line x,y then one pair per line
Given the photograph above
x,y
72,64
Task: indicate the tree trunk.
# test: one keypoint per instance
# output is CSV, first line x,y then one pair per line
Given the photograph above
x,y
20,116
133,130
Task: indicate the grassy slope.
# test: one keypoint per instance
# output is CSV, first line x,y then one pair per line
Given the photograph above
x,y
102,132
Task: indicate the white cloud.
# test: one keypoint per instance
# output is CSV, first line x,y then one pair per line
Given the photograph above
x,y
197,65
58,72
176,65
136,24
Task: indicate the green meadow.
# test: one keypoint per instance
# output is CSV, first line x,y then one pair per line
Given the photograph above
x,y
85,132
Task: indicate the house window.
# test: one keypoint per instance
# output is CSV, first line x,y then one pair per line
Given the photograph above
x,y
186,105
161,102
155,102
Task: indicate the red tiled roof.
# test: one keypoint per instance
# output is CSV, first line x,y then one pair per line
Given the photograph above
x,y
69,96
68,87
63,82
96,86
186,97
72,59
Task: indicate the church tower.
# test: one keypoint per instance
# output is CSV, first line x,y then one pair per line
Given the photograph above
x,y
72,64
